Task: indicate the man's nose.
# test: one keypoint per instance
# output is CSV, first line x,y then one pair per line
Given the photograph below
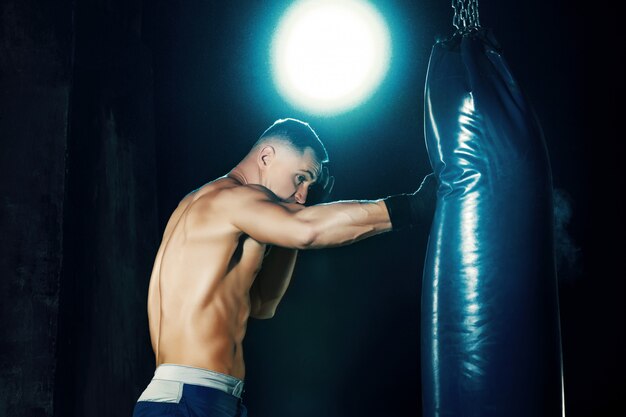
x,y
301,195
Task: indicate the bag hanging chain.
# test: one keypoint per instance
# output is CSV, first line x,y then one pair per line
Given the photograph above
x,y
466,17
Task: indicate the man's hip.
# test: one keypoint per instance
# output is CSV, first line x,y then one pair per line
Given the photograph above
x,y
185,391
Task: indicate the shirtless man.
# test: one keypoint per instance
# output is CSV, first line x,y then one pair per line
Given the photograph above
x,y
227,254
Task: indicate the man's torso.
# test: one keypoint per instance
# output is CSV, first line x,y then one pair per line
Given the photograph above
x,y
198,299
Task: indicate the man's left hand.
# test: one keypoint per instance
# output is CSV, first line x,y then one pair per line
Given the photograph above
x,y
320,191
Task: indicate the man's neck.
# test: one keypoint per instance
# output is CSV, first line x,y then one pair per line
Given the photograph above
x,y
244,173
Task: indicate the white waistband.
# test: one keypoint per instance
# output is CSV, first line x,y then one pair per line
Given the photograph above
x,y
200,376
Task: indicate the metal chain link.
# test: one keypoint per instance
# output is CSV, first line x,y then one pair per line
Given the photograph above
x,y
466,16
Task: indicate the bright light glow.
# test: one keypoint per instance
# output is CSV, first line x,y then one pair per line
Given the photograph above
x,y
330,55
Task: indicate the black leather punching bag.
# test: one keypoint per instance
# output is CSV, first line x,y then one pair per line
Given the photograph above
x,y
490,323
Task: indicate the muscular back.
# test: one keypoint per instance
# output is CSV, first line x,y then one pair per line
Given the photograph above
x,y
198,299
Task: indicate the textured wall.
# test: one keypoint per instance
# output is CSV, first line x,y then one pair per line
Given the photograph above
x,y
35,79
78,216
111,233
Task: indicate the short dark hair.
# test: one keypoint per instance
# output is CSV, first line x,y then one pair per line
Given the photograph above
x,y
298,134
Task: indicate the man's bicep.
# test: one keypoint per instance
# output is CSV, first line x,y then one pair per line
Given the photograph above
x,y
270,222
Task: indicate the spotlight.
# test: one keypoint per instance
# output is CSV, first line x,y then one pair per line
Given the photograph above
x,y
328,56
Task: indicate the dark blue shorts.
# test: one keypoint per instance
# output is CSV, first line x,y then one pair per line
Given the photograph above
x,y
196,401
185,391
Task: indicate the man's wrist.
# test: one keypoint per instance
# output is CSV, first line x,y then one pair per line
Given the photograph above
x,y
399,209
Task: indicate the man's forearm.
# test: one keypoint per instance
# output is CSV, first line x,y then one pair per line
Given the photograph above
x,y
272,281
344,222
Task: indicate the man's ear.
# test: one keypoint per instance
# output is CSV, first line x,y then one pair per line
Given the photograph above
x,y
266,156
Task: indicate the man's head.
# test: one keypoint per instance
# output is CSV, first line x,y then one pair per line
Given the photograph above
x,y
290,156
298,134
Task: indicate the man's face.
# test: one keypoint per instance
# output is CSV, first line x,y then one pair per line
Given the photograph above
x,y
291,174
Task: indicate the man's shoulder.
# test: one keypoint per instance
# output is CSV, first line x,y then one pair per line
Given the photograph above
x,y
234,189
224,201
227,191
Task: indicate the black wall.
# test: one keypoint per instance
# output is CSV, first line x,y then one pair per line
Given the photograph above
x,y
111,232
35,81
78,213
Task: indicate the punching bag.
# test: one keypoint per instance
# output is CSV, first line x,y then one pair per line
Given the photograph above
x,y
490,323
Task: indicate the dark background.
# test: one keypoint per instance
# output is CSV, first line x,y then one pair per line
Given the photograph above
x,y
111,111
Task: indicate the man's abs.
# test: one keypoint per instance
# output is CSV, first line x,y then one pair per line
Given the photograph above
x,y
198,300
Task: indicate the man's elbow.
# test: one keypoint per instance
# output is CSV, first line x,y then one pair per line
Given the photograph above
x,y
263,313
261,310
306,236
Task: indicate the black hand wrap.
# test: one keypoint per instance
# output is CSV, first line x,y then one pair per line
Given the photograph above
x,y
415,210
399,208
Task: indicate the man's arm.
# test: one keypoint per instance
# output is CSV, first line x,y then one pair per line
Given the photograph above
x,y
272,281
255,212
